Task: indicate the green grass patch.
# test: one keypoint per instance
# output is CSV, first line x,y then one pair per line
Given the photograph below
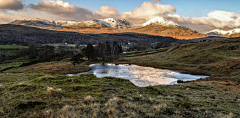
x,y
12,46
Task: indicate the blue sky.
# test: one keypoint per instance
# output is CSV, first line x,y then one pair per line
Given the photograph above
x,y
200,15
186,8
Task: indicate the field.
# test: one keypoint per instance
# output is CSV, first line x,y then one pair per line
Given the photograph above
x,y
12,46
42,89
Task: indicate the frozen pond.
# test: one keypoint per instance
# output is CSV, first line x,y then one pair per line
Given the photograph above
x,y
139,75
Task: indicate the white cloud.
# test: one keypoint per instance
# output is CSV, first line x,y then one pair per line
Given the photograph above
x,y
63,9
175,17
9,16
217,20
146,11
11,5
106,12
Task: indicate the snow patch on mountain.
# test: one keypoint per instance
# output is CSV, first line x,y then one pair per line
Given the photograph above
x,y
109,22
224,32
160,21
117,23
42,22
95,22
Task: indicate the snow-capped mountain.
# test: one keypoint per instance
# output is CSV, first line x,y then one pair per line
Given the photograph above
x,y
42,22
109,22
117,23
160,21
225,33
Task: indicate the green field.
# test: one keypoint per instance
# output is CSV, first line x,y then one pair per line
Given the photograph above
x,y
12,46
12,63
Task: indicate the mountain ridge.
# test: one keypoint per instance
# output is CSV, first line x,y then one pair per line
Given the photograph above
x,y
157,26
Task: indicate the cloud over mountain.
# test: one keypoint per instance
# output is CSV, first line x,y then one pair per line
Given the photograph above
x,y
11,5
147,11
60,8
106,12
218,20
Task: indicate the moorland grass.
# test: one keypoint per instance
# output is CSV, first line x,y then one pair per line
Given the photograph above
x,y
210,58
44,95
36,90
54,67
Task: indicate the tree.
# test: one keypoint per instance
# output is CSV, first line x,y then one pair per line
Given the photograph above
x,y
33,50
116,49
163,44
139,46
46,52
89,51
77,59
108,52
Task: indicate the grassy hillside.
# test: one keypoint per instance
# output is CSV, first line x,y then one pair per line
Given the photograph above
x,y
178,32
214,58
17,34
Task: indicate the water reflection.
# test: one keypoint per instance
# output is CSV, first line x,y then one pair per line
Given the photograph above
x,y
140,76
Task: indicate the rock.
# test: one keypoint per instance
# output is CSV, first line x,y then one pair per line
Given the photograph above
x,y
180,81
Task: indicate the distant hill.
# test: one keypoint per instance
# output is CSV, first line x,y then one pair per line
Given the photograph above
x,y
109,22
157,26
163,27
18,34
43,23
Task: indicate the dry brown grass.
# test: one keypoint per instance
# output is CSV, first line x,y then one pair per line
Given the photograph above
x,y
52,68
232,87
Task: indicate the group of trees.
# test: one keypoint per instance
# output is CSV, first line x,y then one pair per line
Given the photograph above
x,y
106,51
139,46
163,44
103,51
37,52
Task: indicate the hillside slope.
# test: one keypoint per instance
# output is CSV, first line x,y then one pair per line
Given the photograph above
x,y
220,58
17,34
157,26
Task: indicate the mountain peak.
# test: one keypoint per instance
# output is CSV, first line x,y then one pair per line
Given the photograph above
x,y
110,22
160,21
